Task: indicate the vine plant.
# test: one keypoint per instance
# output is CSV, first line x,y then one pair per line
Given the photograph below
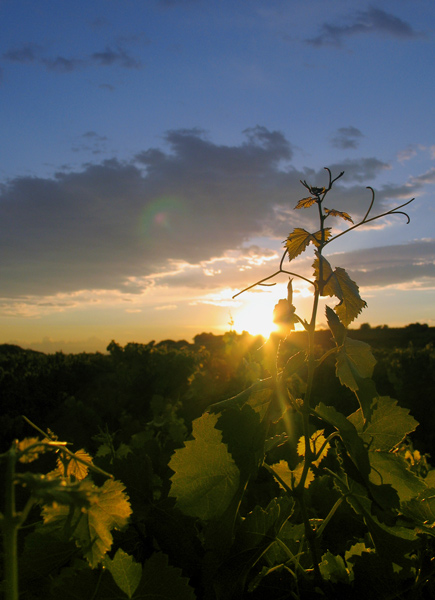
x,y
339,464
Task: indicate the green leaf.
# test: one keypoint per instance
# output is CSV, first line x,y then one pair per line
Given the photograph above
x,y
389,468
299,239
161,581
355,361
109,509
337,328
388,425
126,572
256,534
338,283
44,553
422,509
205,475
291,477
244,435
333,568
348,433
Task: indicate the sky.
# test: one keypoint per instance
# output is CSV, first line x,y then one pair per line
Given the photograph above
x,y
152,152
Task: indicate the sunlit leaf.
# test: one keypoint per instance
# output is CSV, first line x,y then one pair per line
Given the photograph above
x,y
29,453
109,509
338,213
48,490
205,475
388,425
291,477
306,202
391,468
354,361
297,242
338,283
317,440
69,466
299,239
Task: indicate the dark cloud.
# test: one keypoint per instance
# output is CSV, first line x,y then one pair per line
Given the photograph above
x,y
371,21
112,224
393,265
32,53
60,64
361,170
26,54
346,138
110,57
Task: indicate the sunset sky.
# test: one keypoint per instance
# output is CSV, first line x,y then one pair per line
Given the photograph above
x,y
152,152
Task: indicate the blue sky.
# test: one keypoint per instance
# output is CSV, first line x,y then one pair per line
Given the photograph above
x,y
152,153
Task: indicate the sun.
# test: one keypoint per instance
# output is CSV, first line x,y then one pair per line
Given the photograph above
x,y
256,318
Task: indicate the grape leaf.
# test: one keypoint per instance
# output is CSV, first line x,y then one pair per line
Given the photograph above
x,y
317,440
161,581
109,509
126,572
387,426
422,508
299,239
306,202
69,466
338,283
354,361
348,433
337,328
27,455
205,475
291,477
391,468
338,213
333,568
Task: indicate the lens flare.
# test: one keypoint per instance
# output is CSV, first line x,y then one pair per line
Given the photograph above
x,y
161,215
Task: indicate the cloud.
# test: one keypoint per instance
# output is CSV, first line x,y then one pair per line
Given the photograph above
x,y
392,265
118,225
371,21
346,138
109,57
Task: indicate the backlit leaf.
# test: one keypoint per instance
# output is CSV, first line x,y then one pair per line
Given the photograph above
x,y
387,426
109,509
338,213
205,475
306,202
126,572
29,453
337,328
317,440
291,477
69,466
299,239
354,361
338,283
391,468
